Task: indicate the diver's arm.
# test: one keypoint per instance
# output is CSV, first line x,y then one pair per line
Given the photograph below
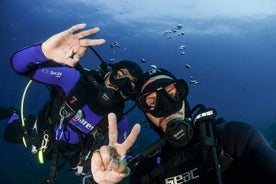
x,y
24,61
248,147
65,48
61,49
32,63
262,156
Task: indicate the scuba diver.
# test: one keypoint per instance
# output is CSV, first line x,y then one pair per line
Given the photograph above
x,y
194,147
74,121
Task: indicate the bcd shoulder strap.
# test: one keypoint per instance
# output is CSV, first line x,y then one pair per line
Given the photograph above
x,y
74,101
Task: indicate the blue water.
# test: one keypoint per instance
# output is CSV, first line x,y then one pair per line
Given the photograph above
x,y
230,46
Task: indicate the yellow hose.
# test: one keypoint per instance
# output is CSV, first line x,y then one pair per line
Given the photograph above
x,y
22,111
22,103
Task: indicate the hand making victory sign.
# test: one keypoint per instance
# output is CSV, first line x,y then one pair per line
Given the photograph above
x,y
108,164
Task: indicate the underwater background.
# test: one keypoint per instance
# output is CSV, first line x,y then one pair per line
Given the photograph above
x,y
224,49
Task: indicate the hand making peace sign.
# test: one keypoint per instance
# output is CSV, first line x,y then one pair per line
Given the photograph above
x,y
108,164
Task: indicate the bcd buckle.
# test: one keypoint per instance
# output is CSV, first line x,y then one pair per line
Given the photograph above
x,y
79,169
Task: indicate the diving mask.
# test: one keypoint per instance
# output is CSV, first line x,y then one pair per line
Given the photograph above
x,y
126,86
164,100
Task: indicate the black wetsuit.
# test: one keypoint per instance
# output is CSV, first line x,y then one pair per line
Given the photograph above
x,y
252,160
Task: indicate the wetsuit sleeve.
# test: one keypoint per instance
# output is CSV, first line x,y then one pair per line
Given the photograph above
x,y
32,63
250,150
22,60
